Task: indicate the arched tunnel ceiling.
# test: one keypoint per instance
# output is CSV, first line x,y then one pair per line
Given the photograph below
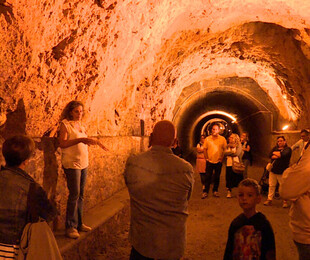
x,y
240,97
131,60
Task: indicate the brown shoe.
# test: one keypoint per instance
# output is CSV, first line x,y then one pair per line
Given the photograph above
x,y
216,194
72,233
84,228
268,203
204,195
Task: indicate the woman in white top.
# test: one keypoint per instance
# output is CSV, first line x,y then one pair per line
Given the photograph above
x,y
232,153
74,142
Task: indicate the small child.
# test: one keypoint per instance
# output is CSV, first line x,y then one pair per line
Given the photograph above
x,y
250,234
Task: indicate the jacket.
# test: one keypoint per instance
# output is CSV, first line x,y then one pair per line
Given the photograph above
x,y
22,201
283,162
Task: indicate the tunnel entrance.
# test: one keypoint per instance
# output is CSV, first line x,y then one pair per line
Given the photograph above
x,y
239,104
204,126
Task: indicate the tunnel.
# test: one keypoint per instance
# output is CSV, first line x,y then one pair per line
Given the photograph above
x,y
239,103
245,64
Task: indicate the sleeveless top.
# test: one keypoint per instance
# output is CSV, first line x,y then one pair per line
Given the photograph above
x,y
75,156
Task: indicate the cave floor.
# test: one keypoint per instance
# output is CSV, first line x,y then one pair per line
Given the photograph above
x,y
208,224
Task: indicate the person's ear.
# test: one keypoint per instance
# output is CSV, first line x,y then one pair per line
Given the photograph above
x,y
24,164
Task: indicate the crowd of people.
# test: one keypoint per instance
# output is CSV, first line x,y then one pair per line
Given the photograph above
x,y
160,184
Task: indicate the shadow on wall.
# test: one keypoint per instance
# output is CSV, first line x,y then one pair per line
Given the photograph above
x,y
15,121
16,124
50,172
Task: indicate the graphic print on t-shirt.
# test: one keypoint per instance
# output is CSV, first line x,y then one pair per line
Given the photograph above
x,y
247,243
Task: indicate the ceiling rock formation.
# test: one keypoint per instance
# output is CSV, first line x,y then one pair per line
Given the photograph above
x,y
130,60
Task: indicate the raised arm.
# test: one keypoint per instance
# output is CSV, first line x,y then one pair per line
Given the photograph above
x,y
296,145
247,148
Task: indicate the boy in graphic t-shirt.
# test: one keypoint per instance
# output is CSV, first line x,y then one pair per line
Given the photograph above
x,y
250,234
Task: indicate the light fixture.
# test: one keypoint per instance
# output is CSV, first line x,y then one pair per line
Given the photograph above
x,y
285,127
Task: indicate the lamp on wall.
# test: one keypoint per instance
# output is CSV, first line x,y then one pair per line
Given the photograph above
x,y
285,127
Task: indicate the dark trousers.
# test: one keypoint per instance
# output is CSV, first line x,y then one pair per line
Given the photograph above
x,y
303,251
203,178
212,170
232,179
135,255
76,180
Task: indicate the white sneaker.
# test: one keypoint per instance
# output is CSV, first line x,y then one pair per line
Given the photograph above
x,y
228,194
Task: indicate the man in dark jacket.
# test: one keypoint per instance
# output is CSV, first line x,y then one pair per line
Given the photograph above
x,y
280,156
22,200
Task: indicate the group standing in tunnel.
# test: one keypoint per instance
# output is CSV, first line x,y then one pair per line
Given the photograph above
x,y
157,179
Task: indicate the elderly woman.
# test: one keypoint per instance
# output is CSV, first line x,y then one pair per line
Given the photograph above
x,y
74,143
233,153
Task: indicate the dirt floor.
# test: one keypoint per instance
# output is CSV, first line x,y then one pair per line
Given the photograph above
x,y
208,224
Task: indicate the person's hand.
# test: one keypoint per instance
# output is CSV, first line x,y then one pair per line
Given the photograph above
x,y
90,141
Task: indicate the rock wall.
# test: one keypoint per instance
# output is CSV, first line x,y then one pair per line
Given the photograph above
x,y
130,61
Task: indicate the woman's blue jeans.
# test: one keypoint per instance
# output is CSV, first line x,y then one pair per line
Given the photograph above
x,y
76,180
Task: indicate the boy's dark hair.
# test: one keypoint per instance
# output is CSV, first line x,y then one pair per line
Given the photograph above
x,y
248,182
17,149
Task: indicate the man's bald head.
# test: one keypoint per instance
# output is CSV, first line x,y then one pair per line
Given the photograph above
x,y
163,133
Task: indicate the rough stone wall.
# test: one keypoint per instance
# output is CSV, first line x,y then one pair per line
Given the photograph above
x,y
130,60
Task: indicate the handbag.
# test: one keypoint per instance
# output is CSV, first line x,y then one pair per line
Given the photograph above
x,y
238,167
269,166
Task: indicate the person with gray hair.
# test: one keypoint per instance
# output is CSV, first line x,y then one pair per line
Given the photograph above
x,y
300,144
160,185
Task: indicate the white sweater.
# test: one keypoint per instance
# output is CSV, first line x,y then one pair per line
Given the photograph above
x,y
296,187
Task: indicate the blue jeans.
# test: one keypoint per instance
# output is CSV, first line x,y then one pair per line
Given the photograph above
x,y
76,180
303,251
